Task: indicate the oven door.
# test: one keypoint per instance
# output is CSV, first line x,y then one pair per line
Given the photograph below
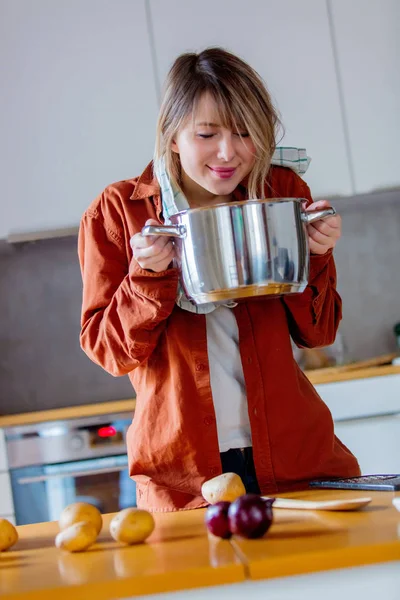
x,y
41,492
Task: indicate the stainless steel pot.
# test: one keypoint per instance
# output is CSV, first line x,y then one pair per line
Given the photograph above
x,y
242,249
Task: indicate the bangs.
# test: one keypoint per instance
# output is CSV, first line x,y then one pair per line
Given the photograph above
x,y
230,115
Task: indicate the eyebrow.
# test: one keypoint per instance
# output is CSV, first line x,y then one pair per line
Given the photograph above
x,y
207,124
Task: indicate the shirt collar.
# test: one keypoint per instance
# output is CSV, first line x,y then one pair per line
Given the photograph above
x,y
147,184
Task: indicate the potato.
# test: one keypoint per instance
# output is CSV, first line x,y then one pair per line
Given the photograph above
x,y
8,535
77,537
226,487
131,526
81,511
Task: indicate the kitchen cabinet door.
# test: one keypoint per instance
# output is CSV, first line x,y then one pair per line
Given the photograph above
x,y
289,44
78,106
368,47
359,398
374,441
3,455
366,413
6,501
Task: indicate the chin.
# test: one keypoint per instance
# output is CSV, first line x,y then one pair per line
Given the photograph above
x,y
223,188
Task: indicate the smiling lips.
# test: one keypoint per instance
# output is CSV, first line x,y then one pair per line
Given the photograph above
x,y
223,172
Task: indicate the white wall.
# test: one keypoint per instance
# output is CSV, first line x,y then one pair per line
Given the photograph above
x,y
368,48
78,106
79,85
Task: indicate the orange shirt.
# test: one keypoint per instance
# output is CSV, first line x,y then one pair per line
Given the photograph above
x,y
131,325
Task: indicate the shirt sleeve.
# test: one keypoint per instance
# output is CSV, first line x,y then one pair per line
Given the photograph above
x,y
314,315
124,307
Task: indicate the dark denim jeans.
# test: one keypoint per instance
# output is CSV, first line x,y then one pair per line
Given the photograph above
x,y
240,461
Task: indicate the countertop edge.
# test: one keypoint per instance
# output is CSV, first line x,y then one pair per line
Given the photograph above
x,y
320,376
70,412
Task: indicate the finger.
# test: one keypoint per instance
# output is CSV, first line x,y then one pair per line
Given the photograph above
x,y
335,221
143,241
154,258
320,204
156,248
319,237
326,228
158,264
316,248
140,241
168,258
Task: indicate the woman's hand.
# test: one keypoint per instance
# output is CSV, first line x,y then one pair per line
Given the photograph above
x,y
323,235
154,252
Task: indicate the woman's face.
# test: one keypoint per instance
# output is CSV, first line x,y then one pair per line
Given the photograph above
x,y
213,159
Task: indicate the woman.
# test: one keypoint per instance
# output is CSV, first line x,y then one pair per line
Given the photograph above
x,y
217,387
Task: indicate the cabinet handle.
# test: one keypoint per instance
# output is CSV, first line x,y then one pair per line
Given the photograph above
x,y
39,478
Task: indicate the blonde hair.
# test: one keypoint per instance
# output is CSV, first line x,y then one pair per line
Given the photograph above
x,y
242,99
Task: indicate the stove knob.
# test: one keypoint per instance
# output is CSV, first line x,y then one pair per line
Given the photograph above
x,y
76,442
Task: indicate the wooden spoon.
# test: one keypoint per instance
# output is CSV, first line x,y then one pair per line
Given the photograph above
x,y
348,504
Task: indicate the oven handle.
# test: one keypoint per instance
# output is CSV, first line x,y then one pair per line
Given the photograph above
x,y
39,478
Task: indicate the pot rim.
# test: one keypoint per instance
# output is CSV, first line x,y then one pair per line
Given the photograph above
x,y
239,203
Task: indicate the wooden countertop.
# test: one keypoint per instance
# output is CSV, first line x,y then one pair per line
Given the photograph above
x,y
72,412
179,554
310,541
335,374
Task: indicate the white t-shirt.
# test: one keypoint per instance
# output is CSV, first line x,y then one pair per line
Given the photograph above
x,y
227,380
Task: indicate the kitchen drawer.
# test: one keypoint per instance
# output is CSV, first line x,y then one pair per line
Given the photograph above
x,y
375,441
6,502
368,397
3,455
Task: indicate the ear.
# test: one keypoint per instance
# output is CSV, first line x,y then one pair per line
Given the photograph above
x,y
174,147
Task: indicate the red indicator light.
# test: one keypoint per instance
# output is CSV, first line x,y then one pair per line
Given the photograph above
x,y
105,432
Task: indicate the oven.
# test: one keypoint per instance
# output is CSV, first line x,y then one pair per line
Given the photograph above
x,y
79,460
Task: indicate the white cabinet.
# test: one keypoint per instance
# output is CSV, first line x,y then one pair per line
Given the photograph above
x,y
6,502
3,455
289,44
367,420
78,106
374,441
368,46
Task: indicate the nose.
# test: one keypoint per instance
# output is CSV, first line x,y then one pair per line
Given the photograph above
x,y
226,149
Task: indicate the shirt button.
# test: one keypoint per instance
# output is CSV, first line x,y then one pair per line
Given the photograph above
x,y
200,367
208,420
213,471
255,412
249,360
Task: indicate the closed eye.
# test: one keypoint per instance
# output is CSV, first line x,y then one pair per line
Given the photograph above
x,y
243,135
205,136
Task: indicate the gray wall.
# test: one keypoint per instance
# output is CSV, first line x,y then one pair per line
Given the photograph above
x,y
368,264
42,366
41,363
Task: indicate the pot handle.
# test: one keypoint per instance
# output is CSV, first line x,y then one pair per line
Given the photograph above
x,y
317,215
178,231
